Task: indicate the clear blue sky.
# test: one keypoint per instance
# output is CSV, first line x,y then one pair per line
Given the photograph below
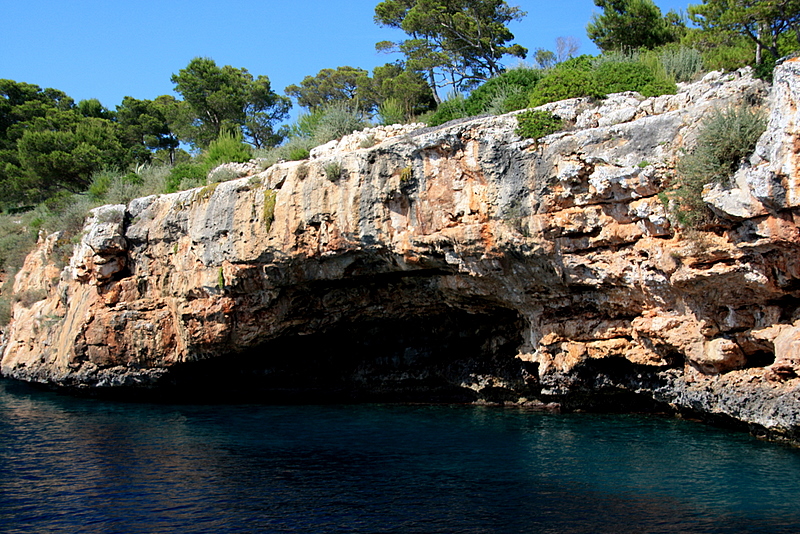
x,y
114,48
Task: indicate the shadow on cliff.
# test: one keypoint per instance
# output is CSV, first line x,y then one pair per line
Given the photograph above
x,y
447,356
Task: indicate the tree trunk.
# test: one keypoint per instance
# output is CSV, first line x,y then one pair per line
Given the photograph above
x,y
432,85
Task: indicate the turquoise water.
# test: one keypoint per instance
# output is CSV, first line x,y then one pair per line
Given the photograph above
x,y
83,465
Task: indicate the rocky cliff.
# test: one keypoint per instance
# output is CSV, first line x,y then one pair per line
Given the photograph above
x,y
462,263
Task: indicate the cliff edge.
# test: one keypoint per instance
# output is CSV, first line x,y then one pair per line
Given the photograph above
x,y
462,263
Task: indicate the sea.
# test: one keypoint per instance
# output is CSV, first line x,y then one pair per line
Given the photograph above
x,y
75,465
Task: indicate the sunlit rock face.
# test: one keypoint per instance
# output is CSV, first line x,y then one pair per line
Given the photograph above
x,y
462,263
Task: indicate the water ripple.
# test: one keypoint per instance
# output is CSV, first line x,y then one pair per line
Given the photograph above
x,y
77,465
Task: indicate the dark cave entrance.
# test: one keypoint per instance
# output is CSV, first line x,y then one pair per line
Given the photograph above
x,y
434,355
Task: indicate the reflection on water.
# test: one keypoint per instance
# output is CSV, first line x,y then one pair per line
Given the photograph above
x,y
69,465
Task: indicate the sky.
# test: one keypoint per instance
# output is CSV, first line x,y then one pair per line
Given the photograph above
x,y
110,49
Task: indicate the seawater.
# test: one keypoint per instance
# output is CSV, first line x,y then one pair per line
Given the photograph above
x,y
84,465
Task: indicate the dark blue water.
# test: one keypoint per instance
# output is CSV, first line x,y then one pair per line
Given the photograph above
x,y
81,465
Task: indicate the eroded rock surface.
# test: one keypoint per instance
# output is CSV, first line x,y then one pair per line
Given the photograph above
x,y
459,263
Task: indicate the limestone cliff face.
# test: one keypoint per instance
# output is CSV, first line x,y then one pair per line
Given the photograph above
x,y
459,263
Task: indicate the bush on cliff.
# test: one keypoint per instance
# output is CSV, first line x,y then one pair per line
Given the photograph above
x,y
504,93
336,121
454,107
680,63
535,124
726,139
228,147
562,84
616,77
186,176
312,130
585,76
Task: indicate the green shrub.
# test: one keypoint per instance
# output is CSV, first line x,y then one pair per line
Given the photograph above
x,y
185,173
535,124
765,69
305,125
583,62
150,180
101,182
328,123
614,72
295,149
516,101
425,118
70,218
615,56
58,202
298,153
16,239
391,112
222,174
452,108
725,140
619,77
613,77
564,83
681,63
504,93
336,121
226,148
721,51
311,130
333,171
728,58
652,60
499,104
132,178
112,187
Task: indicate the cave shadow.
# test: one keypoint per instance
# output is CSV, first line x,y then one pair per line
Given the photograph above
x,y
441,355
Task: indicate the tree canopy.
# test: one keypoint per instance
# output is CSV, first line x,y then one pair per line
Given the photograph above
x,y
454,42
227,97
355,90
49,143
394,82
63,150
761,21
632,24
341,85
145,126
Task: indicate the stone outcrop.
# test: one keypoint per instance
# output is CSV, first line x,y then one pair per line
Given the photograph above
x,y
459,263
